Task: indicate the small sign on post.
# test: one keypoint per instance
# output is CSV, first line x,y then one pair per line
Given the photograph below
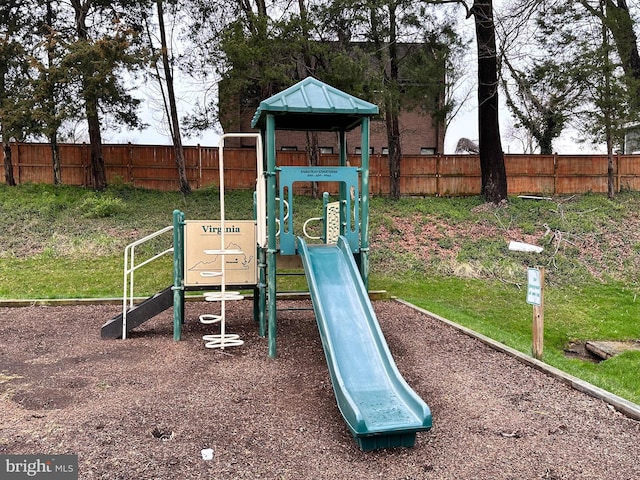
x,y
535,297
534,286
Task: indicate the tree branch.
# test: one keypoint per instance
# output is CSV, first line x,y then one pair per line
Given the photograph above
x,y
468,10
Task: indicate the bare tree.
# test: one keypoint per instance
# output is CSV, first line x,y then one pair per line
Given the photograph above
x,y
494,177
170,103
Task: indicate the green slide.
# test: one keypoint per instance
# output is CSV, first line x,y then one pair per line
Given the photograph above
x,y
377,404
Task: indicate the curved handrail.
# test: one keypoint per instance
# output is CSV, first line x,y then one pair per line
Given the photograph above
x,y
304,228
286,215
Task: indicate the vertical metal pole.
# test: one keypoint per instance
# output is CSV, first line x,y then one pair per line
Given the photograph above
x,y
223,244
364,204
343,190
260,302
270,147
325,219
262,294
342,146
178,274
256,288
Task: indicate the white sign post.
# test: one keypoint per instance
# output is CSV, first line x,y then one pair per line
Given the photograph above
x,y
535,297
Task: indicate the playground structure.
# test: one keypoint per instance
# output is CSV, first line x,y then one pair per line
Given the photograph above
x,y
192,244
379,407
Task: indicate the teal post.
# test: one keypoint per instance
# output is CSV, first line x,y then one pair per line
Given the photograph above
x,y
343,149
178,274
259,298
325,202
270,149
262,297
364,230
344,191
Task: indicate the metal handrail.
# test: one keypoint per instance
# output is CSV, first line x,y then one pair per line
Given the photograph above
x,y
130,267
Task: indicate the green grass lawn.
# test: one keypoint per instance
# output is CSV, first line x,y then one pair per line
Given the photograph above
x,y
500,311
448,256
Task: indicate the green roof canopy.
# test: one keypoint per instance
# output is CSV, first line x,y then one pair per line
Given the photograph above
x,y
313,105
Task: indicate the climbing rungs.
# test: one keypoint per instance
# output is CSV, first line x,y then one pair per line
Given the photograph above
x,y
209,318
218,296
221,341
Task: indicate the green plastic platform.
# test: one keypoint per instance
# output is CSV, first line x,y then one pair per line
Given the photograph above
x,y
378,405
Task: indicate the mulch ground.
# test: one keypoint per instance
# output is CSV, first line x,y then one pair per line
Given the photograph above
x,y
146,407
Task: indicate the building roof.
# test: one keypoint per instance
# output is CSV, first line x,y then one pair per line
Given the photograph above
x,y
313,105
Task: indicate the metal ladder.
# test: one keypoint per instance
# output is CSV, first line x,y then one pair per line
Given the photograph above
x,y
222,339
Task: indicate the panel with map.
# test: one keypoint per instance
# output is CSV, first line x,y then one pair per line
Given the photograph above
x,y
201,235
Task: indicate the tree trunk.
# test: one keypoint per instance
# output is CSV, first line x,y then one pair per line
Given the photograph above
x,y
611,187
8,164
548,131
314,159
5,136
98,174
395,152
620,24
55,158
393,107
494,177
607,109
50,104
173,109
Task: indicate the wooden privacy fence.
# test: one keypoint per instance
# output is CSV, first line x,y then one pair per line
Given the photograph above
x,y
154,167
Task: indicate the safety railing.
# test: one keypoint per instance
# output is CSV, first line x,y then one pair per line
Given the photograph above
x,y
130,267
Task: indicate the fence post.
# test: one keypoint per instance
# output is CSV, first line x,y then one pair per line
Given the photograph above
x,y
16,158
129,164
437,174
199,165
555,173
85,164
618,177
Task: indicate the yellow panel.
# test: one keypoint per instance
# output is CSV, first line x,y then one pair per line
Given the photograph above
x,y
333,223
201,235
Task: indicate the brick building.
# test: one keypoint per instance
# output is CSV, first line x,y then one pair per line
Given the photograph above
x,y
420,133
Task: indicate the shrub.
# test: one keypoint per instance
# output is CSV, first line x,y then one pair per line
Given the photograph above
x,y
99,206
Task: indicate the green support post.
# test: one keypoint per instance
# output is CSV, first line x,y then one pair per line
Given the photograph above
x,y
343,190
178,274
262,293
311,105
364,204
270,149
